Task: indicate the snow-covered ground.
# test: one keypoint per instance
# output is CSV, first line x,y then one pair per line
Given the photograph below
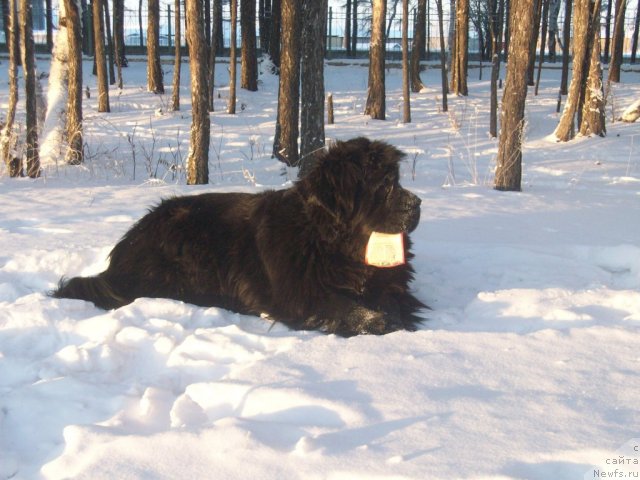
x,y
527,366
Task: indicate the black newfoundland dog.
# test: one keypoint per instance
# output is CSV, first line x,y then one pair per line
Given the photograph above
x,y
313,256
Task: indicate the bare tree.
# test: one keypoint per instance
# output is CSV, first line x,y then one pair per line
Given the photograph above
x,y
376,96
417,49
118,38
177,59
634,40
618,42
314,18
534,41
233,58
100,57
13,162
593,114
249,59
155,82
216,29
285,145
566,40
461,49
275,33
73,23
583,33
554,12
406,100
543,38
264,20
28,65
495,28
509,161
443,58
198,161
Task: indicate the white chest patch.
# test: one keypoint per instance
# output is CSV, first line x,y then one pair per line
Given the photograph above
x,y
385,250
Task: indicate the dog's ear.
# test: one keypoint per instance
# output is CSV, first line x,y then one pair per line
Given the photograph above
x,y
335,181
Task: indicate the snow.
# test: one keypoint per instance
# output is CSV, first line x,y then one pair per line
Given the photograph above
x,y
526,367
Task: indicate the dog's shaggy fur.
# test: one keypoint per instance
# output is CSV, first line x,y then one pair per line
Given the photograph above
x,y
296,254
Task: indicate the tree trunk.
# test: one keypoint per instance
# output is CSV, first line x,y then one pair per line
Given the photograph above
x,y
118,38
264,20
49,19
534,42
314,21
110,50
249,59
177,59
198,161
75,154
285,146
461,49
634,41
618,42
443,58
100,57
233,60
566,40
28,64
543,37
566,128
274,36
554,11
418,46
347,28
495,27
593,114
154,69
607,31
118,33
376,97
215,47
406,100
12,161
509,161
354,28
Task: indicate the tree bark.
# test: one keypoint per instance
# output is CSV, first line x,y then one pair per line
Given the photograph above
x,y
443,58
285,146
509,162
28,64
417,49
634,41
534,42
233,60
13,163
566,40
376,98
495,28
249,59
274,36
593,114
154,69
543,38
177,59
198,160
406,100
100,57
215,47
554,11
618,42
461,49
312,139
583,32
75,153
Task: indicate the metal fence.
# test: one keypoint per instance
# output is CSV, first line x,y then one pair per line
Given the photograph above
x,y
135,27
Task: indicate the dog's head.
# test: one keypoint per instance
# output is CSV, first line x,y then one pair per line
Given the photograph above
x,y
355,186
